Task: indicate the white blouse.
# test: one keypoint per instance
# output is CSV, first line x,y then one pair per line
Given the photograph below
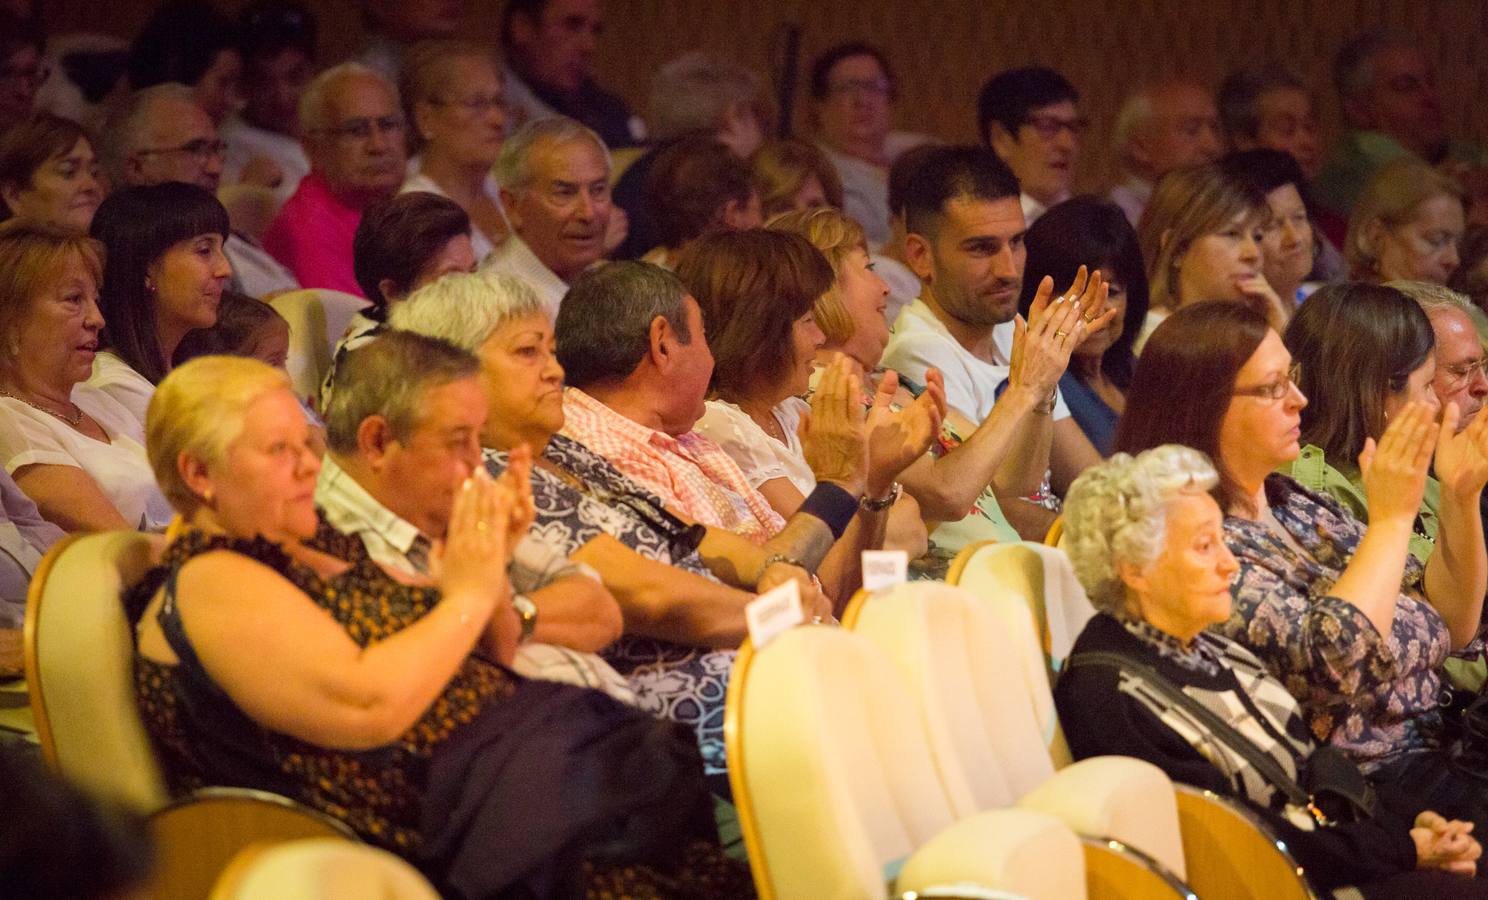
x,y
30,437
479,242
762,457
115,377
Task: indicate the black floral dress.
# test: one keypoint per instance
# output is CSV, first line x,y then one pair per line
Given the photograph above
x,y
202,738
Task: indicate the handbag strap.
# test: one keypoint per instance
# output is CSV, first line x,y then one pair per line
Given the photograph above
x,y
1259,760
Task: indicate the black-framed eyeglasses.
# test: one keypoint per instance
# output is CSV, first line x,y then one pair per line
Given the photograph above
x,y
1275,390
362,129
1049,127
201,148
1464,372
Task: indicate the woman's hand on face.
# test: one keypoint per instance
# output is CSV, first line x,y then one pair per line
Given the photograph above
x,y
472,560
1042,345
1445,844
1262,298
897,439
1395,470
1462,458
834,437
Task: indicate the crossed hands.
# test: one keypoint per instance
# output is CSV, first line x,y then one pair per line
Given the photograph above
x,y
1055,328
1446,845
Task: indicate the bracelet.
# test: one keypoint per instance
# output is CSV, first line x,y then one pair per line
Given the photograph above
x,y
1047,407
527,612
831,504
880,504
774,558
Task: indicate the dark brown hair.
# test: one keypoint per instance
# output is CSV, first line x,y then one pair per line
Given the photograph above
x,y
1184,381
692,180
28,145
397,238
1356,344
752,286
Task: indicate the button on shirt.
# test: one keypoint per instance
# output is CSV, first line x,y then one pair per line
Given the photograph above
x,y
690,473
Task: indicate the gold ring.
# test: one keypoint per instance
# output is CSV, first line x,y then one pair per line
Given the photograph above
x,y
1062,333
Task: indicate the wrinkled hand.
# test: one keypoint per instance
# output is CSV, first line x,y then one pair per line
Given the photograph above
x,y
518,481
1261,297
1462,458
616,229
1055,327
834,437
896,439
814,603
1444,844
1395,469
472,559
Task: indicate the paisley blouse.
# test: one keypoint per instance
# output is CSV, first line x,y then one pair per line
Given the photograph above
x,y
1373,695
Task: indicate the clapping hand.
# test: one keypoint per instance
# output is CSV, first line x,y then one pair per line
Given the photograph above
x,y
1055,327
1394,470
898,438
1462,458
834,437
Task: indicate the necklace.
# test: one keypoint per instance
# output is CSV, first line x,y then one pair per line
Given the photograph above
x,y
73,420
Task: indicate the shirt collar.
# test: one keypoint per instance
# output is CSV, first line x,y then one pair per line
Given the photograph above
x,y
1197,655
615,422
352,510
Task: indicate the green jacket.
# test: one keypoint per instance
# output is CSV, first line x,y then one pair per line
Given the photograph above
x,y
1345,484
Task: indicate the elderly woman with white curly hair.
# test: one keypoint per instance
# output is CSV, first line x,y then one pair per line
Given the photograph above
x,y
1148,678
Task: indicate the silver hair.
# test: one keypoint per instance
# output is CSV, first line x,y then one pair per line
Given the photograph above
x,y
311,111
694,91
1432,297
124,133
1117,511
465,308
514,164
1133,114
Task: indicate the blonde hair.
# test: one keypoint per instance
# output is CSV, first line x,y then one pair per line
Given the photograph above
x,y
1391,198
427,70
32,259
835,235
198,410
1187,205
781,167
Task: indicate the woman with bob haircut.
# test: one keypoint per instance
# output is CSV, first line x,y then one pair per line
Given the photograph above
x,y
49,173
792,174
1337,610
1201,237
274,653
72,448
165,276
1147,542
1407,225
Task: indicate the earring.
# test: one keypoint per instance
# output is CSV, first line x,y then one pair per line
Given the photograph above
x,y
207,496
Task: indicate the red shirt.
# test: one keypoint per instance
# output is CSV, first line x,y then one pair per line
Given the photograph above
x,y
312,237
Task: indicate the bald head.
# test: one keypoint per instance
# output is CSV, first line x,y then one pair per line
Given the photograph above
x,y
1168,126
352,127
162,135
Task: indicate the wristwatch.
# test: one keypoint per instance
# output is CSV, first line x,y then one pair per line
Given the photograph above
x,y
1047,406
527,612
868,504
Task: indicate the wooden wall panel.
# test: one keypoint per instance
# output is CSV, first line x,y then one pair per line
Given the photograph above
x,y
945,49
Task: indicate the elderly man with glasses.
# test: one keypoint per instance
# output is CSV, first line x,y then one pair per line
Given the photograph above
x,y
352,129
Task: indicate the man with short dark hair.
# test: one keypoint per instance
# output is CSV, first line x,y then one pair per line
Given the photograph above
x,y
698,187
549,48
1266,106
1030,119
403,433
965,240
1392,108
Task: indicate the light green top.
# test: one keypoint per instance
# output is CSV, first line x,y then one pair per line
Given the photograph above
x,y
1345,484
1359,154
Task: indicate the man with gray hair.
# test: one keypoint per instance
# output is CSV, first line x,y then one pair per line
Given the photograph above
x,y
555,187
1461,365
696,92
352,127
1162,127
1391,106
403,433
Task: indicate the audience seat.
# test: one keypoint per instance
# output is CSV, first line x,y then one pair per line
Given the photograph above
x,y
1230,854
317,319
964,676
320,869
835,784
1055,537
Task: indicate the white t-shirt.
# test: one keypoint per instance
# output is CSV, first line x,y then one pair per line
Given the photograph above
x,y
921,342
1149,324
115,377
904,284
418,181
30,437
514,257
762,457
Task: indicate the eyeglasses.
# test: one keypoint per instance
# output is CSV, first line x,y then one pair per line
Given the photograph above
x,y
1275,390
1463,373
873,87
201,148
361,129
34,76
1049,127
476,106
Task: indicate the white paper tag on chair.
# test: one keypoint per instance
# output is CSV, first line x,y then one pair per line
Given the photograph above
x,y
882,569
775,611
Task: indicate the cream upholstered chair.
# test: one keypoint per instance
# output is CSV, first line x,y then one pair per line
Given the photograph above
x,y
835,785
80,674
965,678
1230,854
320,869
317,319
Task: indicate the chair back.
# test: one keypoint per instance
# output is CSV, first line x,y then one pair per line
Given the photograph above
x,y
80,666
320,869
317,319
830,770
